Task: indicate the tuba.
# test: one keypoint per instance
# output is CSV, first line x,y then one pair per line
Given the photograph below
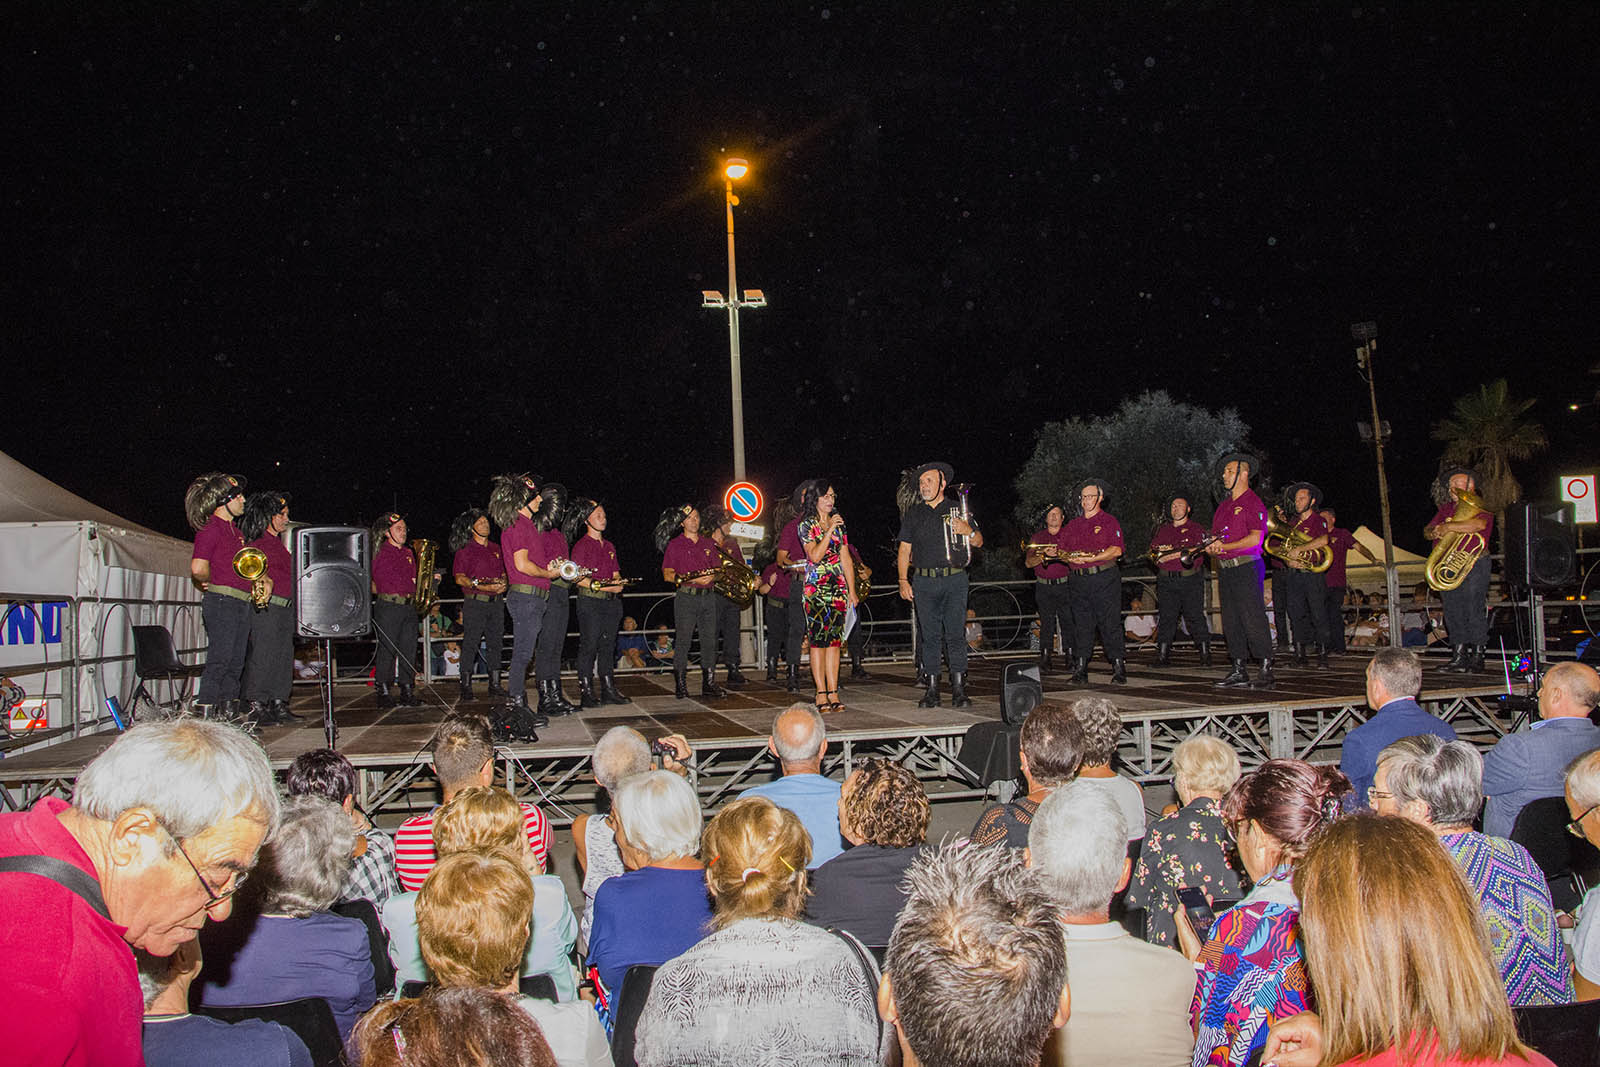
x,y
736,581
251,565
1454,555
422,596
1282,540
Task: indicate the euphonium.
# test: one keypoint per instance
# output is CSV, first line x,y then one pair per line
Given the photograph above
x,y
1283,538
422,595
251,565
863,581
736,581
1455,554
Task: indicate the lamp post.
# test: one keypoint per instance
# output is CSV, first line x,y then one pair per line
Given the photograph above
x,y
1366,338
733,169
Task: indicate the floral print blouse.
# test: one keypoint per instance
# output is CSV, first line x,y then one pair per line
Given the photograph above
x,y
1187,848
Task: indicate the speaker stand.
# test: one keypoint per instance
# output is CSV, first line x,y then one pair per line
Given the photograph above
x,y
330,731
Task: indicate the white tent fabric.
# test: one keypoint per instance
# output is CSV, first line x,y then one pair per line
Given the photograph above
x,y
1369,578
76,579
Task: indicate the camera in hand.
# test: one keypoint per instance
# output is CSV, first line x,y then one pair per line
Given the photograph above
x,y
663,747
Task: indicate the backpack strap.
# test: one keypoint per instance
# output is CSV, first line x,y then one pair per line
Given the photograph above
x,y
64,874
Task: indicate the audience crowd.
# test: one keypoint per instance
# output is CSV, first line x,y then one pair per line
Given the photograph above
x,y
1294,914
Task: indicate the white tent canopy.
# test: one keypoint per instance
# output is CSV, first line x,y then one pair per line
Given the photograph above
x,y
1365,576
76,579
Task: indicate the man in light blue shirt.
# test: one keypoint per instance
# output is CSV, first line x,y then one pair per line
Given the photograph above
x,y
799,740
1394,678
1532,763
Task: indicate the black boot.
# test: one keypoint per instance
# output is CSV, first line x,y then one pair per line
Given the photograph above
x,y
1205,653
1300,655
1047,663
958,690
930,698
524,720
1164,654
1474,663
382,695
466,689
279,710
709,689
681,684
406,697
205,711
494,689
256,714
586,694
1119,671
1264,678
610,694
559,704
736,678
922,679
791,678
1080,671
1458,658
1322,658
772,669
1238,678
857,671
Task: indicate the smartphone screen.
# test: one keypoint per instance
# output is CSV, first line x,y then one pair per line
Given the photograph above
x,y
1197,908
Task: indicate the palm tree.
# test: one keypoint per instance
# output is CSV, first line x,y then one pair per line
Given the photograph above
x,y
1485,430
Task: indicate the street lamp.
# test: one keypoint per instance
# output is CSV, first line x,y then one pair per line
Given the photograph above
x,y
1365,334
734,169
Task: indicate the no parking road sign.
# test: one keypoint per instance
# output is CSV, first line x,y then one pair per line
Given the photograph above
x,y
743,501
1578,489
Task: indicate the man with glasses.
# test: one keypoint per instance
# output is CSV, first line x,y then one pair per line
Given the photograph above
x,y
1394,680
162,830
1583,804
1532,763
1093,542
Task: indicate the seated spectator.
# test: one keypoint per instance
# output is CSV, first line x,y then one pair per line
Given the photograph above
x,y
1190,846
472,922
621,753
163,826
1102,726
661,648
660,907
974,631
764,987
1394,680
1052,743
1583,801
484,819
322,772
1390,989
1252,970
175,1038
1532,763
1437,784
630,644
1138,626
800,740
1078,847
463,756
294,946
428,1031
883,813
976,973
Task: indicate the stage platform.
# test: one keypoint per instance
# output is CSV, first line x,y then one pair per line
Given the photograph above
x,y
1305,716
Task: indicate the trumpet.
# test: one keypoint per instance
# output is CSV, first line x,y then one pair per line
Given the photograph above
x,y
1029,546
692,575
568,571
952,540
1186,555
251,565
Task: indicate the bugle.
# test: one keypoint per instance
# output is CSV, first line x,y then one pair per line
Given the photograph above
x,y
251,565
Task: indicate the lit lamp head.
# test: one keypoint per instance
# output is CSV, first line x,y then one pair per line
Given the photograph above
x,y
735,169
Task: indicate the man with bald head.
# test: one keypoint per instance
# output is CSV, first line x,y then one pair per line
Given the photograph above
x,y
798,741
1532,762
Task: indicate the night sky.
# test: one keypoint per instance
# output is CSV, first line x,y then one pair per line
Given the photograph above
x,y
374,253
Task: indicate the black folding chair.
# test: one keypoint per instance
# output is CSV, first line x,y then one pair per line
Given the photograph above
x,y
309,1018
155,659
1567,1033
1541,828
537,986
377,942
625,1016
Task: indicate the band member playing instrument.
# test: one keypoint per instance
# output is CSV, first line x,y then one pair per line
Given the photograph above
x,y
1045,555
558,613
685,551
1240,524
718,523
212,503
829,587
1180,590
1094,544
938,542
513,499
599,604
394,613
269,665
1308,612
855,643
786,517
1340,541
775,586
1466,612
479,570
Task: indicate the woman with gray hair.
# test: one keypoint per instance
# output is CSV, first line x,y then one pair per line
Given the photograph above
x,y
1102,728
289,945
1439,784
659,908
1190,846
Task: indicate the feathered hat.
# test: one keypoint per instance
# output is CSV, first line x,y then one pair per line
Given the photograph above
x,y
259,508
461,528
509,494
207,493
671,524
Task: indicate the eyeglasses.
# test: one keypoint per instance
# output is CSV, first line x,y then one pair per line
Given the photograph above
x,y
213,898
1575,827
1374,793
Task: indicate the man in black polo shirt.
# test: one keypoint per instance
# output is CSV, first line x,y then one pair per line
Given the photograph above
x,y
937,586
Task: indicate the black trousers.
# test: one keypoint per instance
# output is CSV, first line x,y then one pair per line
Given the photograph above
x,y
527,618
1308,607
1333,609
695,611
269,665
598,619
398,633
482,621
777,615
1282,618
553,633
728,635
1244,611
1466,607
1097,605
1181,596
1054,601
227,621
796,622
855,644
941,605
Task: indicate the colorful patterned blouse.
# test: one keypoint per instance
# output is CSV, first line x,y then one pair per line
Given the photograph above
x,y
1187,848
1251,974
1523,937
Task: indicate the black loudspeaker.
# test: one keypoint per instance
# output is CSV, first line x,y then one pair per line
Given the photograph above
x,y
1541,545
1020,691
333,581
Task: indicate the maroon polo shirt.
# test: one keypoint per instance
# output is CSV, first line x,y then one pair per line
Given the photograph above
x,y
1055,568
599,556
482,562
394,570
1176,537
789,541
523,535
1448,512
684,556
1340,541
731,549
778,579
1234,518
280,565
1091,535
217,542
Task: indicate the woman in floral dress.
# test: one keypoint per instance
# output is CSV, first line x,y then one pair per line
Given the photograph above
x,y
829,587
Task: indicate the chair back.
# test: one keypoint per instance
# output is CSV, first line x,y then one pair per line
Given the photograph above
x,y
154,654
536,986
1541,828
309,1018
630,1005
377,942
1567,1033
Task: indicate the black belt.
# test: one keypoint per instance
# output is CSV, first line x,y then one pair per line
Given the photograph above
x,y
392,598
1053,581
695,590
1237,561
531,590
487,598
1185,572
937,572
1081,571
595,594
560,583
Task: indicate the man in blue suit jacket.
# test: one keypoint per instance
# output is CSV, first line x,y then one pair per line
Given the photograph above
x,y
1394,678
1532,763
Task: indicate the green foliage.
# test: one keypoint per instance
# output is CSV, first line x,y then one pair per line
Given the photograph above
x,y
1485,430
1150,447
